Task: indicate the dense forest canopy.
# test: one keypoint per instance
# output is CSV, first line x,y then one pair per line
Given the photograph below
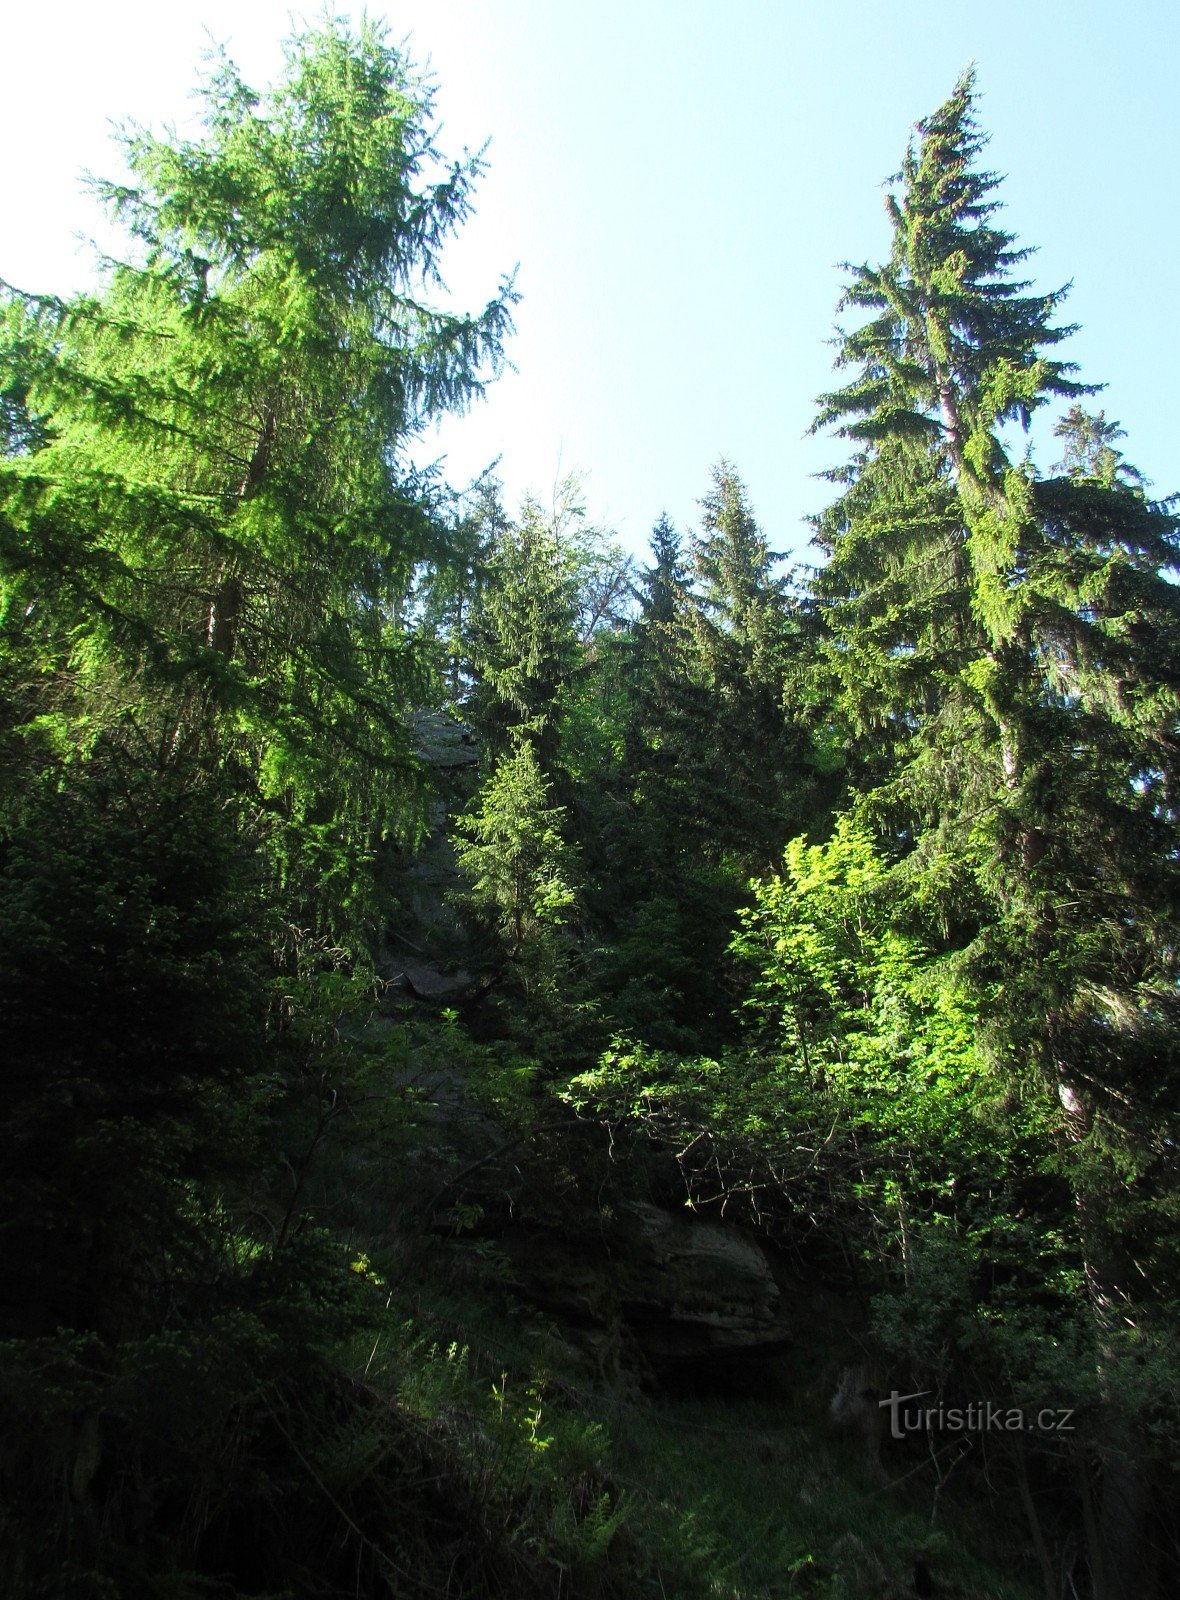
x,y
411,902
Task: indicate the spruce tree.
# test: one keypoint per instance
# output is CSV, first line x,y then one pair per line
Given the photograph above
x,y
666,751
738,592
525,648
713,769
666,899
662,585
519,871
951,348
745,637
1004,652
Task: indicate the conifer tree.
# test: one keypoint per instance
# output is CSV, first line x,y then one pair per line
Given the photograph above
x,y
662,585
713,765
214,529
664,897
951,348
665,752
208,529
447,594
738,592
524,643
519,869
1004,649
745,636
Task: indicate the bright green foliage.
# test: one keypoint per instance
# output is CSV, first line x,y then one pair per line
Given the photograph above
x,y
875,1035
953,346
208,532
862,1116
216,512
927,1047
1005,653
951,349
519,869
1003,645
838,986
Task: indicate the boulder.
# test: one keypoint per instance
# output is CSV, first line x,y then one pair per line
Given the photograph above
x,y
675,1287
688,1286
424,980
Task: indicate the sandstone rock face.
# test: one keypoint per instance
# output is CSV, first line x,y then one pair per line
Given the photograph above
x,y
424,979
422,956
687,1286
443,742
673,1287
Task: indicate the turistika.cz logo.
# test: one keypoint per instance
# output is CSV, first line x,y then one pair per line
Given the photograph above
x,y
978,1416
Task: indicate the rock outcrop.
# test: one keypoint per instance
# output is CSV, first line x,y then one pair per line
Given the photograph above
x,y
666,1287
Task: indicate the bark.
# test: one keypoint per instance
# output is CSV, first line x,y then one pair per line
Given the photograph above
x,y
225,607
952,424
225,610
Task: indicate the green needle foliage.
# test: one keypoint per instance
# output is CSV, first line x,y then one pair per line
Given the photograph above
x,y
213,531
511,849
747,639
874,887
1004,650
209,529
524,633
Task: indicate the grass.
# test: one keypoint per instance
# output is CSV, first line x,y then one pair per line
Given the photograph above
x,y
737,1498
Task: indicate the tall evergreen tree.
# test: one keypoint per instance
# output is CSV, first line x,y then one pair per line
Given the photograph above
x,y
662,585
666,899
520,876
208,528
212,533
951,348
666,750
525,646
1005,647
745,638
739,594
714,765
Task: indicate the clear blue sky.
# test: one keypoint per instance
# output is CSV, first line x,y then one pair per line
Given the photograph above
x,y
678,180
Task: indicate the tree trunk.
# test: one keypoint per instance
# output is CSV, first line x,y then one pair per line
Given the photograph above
x,y
225,607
